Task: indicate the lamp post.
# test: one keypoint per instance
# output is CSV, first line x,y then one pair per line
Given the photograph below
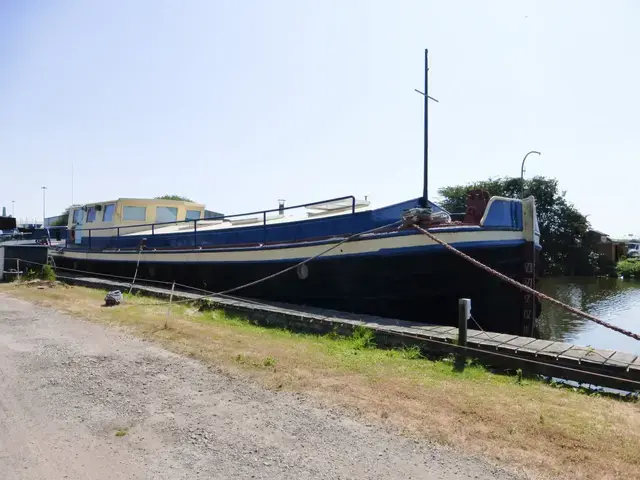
x,y
13,208
44,204
522,171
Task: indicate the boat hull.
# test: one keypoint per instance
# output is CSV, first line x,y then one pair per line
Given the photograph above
x,y
417,284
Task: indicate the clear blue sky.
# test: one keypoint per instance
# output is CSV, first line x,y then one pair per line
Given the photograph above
x,y
239,103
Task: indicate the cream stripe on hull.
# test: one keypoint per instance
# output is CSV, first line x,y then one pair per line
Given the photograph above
x,y
371,245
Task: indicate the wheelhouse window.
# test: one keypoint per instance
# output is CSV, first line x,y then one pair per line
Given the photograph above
x,y
77,215
107,215
135,214
193,215
166,214
91,214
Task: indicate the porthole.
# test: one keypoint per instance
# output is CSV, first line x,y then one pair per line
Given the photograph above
x,y
302,271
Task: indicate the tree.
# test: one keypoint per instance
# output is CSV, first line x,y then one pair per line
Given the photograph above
x,y
174,197
63,221
566,247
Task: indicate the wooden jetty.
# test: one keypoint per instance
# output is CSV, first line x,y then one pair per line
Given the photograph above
x,y
584,365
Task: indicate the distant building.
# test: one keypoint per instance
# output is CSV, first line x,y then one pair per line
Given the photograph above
x,y
612,250
7,223
598,236
48,222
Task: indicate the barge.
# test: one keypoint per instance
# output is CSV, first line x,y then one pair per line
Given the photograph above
x,y
392,272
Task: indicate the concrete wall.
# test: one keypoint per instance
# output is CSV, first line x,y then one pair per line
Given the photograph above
x,y
26,253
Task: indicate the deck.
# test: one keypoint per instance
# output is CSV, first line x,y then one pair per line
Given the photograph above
x,y
581,364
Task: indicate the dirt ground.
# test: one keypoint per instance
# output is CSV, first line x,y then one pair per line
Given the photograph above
x,y
78,400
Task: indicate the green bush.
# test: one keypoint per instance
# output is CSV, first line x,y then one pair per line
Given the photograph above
x,y
411,353
363,338
628,268
46,273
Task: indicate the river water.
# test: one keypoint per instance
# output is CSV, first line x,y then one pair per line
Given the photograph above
x,y
614,300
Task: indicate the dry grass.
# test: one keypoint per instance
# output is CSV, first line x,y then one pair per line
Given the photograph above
x,y
529,427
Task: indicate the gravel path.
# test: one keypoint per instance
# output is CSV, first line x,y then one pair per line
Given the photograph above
x,y
67,386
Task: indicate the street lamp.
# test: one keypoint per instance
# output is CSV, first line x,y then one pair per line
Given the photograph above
x,y
522,171
13,208
44,189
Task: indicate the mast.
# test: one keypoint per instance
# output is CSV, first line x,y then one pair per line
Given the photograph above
x,y
425,186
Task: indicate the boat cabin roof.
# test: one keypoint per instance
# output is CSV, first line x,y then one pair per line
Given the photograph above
x,y
152,221
145,201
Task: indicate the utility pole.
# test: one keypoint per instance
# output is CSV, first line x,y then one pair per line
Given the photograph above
x,y
44,205
425,184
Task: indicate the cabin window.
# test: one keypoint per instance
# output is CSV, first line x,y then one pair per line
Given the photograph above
x,y
77,215
91,214
166,214
107,215
136,214
193,215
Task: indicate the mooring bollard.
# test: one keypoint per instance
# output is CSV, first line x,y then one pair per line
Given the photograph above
x,y
464,314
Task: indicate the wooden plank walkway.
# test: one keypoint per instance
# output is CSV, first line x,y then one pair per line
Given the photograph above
x,y
585,365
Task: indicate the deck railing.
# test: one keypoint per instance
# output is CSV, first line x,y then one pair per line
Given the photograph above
x,y
219,217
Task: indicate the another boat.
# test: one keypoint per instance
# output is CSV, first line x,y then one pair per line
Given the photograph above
x,y
391,272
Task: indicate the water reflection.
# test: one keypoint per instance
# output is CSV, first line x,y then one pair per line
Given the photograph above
x,y
614,300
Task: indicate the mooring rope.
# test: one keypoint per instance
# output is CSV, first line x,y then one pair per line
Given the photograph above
x,y
525,288
285,270
137,266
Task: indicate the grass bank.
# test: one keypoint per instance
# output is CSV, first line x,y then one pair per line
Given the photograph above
x,y
528,426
